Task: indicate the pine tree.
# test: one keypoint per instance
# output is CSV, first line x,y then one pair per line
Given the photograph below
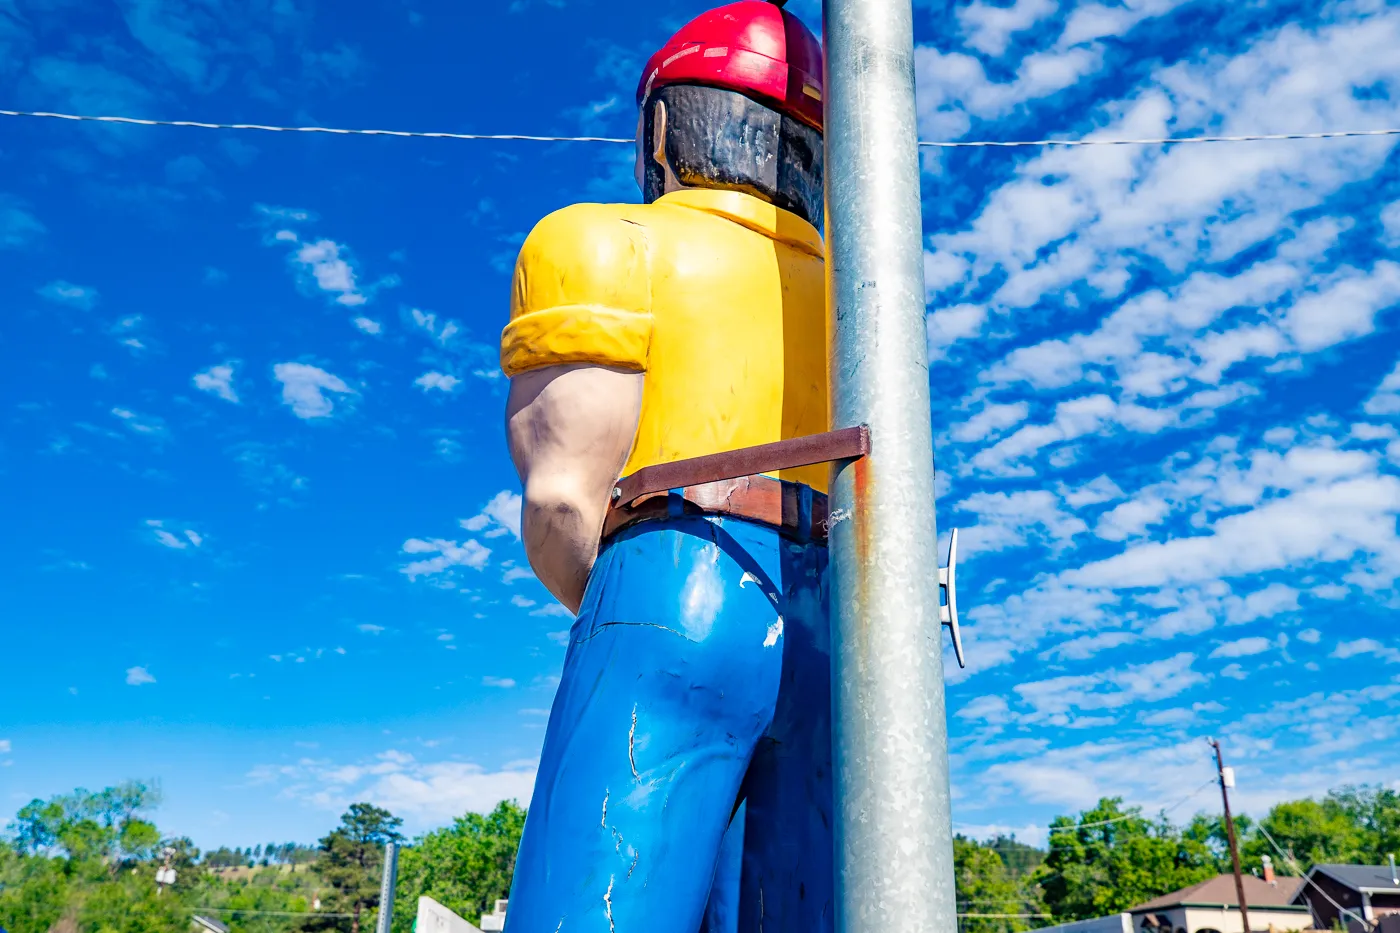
x,y
352,856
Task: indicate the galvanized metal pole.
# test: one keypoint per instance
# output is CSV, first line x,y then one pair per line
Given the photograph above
x,y
386,888
894,851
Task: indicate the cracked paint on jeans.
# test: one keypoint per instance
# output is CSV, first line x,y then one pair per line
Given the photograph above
x,y
708,754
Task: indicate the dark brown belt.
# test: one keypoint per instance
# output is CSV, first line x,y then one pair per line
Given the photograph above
x,y
730,483
762,499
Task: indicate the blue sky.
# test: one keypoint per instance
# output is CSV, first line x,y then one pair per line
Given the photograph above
x,y
261,543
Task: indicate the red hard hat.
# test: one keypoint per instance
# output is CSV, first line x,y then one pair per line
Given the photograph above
x,y
754,47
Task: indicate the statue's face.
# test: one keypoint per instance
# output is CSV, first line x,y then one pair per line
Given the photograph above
x,y
653,148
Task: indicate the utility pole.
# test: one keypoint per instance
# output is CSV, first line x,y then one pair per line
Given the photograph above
x,y
1227,780
894,851
386,888
165,875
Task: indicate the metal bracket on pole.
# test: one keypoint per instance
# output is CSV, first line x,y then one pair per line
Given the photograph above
x,y
948,583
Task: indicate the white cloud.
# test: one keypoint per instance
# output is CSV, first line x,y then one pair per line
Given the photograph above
x,y
953,86
500,516
136,676
370,628
1007,520
1274,599
1386,399
1130,519
1242,648
1073,419
428,794
66,293
446,556
304,387
1344,309
1095,492
1090,21
947,326
1310,636
325,265
1323,522
1234,672
271,213
1390,222
4,746
517,573
218,380
435,380
177,539
368,325
989,27
1168,717
1086,646
137,423
993,419
18,227
502,682
1055,698
1075,222
1365,646
441,332
990,709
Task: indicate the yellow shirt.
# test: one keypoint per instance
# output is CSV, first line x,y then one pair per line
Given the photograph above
x,y
718,296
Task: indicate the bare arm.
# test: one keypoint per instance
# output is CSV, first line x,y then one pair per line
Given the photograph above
x,y
570,430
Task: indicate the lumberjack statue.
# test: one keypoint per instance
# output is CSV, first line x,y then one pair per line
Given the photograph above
x,y
686,779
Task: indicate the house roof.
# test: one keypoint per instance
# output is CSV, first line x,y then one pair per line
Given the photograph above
x,y
1220,892
1368,878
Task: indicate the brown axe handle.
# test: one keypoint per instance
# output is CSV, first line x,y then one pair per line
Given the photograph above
x,y
845,444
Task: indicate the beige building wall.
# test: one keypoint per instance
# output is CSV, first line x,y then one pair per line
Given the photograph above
x,y
1228,920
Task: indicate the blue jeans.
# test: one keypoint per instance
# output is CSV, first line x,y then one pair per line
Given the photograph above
x,y
685,783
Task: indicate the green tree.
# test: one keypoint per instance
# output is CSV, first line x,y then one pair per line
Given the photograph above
x,y
33,891
129,904
352,857
1111,858
222,857
1021,859
1375,812
105,826
1309,831
985,885
84,859
465,866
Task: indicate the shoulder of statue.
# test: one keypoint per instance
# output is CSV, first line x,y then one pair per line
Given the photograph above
x,y
586,243
595,255
591,227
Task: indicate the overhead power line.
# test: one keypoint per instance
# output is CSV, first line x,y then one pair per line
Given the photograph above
x,y
1161,141
1288,857
506,137
276,913
134,121
1130,816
